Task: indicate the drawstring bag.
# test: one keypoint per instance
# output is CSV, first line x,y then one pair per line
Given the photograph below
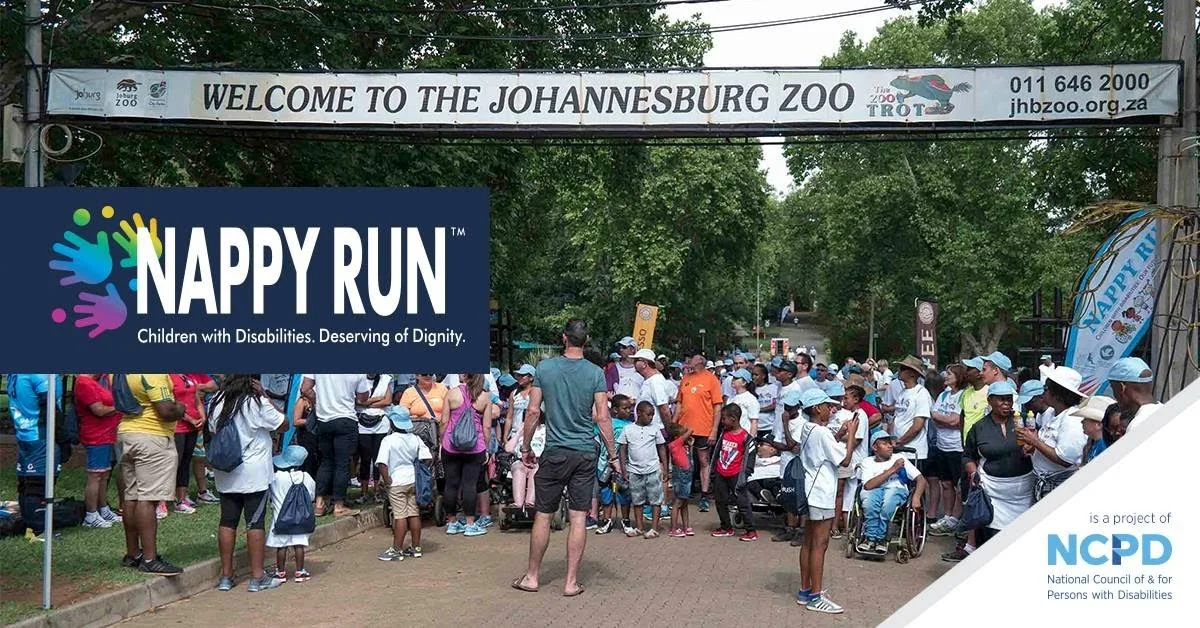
x,y
225,451
296,514
424,485
464,436
123,398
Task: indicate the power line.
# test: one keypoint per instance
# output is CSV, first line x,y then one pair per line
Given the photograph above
x,y
425,10
683,32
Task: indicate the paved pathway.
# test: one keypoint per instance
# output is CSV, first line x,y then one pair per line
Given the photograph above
x,y
657,582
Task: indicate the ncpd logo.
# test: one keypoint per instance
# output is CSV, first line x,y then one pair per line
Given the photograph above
x,y
1094,549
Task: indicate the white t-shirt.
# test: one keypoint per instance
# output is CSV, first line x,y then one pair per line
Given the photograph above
x,y
820,457
672,389
948,438
870,468
913,403
520,403
805,383
254,424
778,427
336,394
767,395
1064,433
642,443
382,387
655,391
1142,413
399,452
749,405
629,381
892,396
765,469
860,446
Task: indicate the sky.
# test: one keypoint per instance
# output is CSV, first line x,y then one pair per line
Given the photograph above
x,y
792,45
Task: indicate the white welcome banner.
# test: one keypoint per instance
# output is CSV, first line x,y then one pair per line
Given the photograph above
x,y
718,101
1115,303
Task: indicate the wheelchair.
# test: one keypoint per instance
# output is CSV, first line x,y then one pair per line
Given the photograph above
x,y
907,530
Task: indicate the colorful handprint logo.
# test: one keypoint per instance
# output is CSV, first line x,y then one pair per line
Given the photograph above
x,y
88,260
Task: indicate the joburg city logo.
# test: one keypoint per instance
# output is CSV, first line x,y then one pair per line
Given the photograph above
x,y
89,260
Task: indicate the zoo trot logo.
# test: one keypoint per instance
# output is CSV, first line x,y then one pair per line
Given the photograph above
x,y
914,96
99,269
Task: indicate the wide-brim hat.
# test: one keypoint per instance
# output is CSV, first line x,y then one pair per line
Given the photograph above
x,y
913,363
1094,408
291,457
1068,378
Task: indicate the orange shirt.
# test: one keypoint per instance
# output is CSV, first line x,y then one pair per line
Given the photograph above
x,y
698,393
416,408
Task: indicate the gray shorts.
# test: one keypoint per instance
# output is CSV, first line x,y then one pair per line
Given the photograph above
x,y
646,488
819,514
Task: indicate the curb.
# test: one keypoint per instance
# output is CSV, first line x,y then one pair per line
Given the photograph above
x,y
144,597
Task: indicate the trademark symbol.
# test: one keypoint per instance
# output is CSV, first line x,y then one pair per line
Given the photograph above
x,y
458,231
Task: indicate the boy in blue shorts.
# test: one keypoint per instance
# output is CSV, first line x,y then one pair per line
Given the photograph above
x,y
614,490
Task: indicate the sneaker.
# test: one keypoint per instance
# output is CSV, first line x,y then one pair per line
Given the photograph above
x,y
650,534
632,532
161,511
263,583
677,533
108,515
184,509
484,521
474,529
689,532
766,496
880,547
207,497
354,483
628,529
276,572
956,556
302,575
647,512
941,530
722,532
664,510
209,475
751,535
455,527
866,547
225,584
159,567
412,552
803,596
703,505
797,540
784,535
94,520
390,554
605,527
822,604
591,523
131,561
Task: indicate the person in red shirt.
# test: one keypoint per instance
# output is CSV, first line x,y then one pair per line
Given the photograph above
x,y
731,449
679,448
186,387
98,420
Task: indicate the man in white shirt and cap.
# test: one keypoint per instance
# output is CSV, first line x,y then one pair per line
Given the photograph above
x,y
1046,366
1132,383
622,376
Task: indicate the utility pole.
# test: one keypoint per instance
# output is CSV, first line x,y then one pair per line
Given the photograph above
x,y
1173,343
871,332
758,311
33,94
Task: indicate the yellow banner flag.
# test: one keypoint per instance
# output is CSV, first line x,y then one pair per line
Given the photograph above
x,y
643,325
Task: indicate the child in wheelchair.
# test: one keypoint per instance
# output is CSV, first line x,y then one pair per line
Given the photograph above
x,y
886,480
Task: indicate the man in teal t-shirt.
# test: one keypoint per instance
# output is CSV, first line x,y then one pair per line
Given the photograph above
x,y
575,398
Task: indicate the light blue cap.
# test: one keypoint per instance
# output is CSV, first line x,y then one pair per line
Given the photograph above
x,y
743,375
291,457
999,359
1029,390
627,341
878,434
495,373
399,417
728,361
776,361
814,397
614,356
1000,389
1130,370
677,364
973,363
526,369
835,389
506,380
790,398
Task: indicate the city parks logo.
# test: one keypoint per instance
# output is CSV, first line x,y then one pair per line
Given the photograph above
x,y
97,262
914,95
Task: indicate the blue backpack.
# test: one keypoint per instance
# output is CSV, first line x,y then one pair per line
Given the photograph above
x,y
225,451
296,514
424,483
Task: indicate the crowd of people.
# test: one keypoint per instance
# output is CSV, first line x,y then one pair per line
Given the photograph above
x,y
615,436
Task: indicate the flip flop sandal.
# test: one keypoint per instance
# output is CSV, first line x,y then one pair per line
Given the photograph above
x,y
578,591
519,585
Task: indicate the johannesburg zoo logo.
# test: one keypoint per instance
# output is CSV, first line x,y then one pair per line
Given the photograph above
x,y
929,87
127,86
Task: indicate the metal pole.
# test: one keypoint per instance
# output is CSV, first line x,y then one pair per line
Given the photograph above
x,y
871,340
1174,356
758,311
33,94
51,469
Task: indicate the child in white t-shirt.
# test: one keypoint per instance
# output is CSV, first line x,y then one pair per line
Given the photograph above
x,y
288,473
399,454
885,479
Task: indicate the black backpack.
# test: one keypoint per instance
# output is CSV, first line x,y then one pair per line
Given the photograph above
x,y
225,450
296,514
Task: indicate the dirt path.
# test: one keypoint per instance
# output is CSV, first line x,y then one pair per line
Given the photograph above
x,y
664,581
